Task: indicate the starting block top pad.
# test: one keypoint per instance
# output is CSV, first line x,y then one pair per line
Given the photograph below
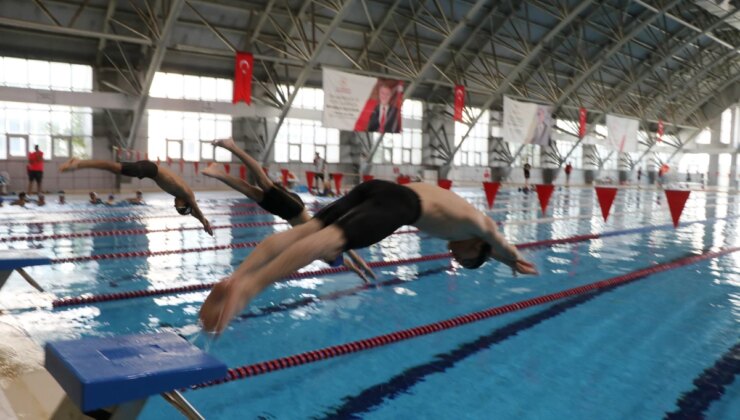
x,y
10,259
101,372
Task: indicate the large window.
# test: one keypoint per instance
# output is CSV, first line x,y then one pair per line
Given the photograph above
x,y
36,74
725,136
187,135
197,88
299,139
474,150
705,137
306,98
404,147
59,131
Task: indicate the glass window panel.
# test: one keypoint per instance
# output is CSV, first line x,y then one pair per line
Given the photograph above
x,y
397,140
61,122
191,84
16,72
223,128
61,76
38,122
416,157
295,153
206,150
174,149
191,127
387,155
61,147
332,136
222,155
406,156
174,86
307,151
44,143
320,135
38,74
406,139
81,147
81,78
190,152
159,85
16,121
174,125
332,154
208,88
224,90
281,152
17,146
397,155
207,129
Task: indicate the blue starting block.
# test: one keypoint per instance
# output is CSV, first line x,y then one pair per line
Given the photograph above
x,y
120,373
15,259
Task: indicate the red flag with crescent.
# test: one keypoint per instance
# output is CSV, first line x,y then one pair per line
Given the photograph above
x,y
243,77
582,114
660,131
459,102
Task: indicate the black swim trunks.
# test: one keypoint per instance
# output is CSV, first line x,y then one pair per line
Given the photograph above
x,y
140,169
282,203
35,176
372,211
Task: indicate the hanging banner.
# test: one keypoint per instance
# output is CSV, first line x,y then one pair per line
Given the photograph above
x,y
582,117
360,103
622,134
243,77
459,102
660,131
526,122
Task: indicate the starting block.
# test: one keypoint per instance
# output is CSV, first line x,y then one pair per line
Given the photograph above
x,y
15,259
113,377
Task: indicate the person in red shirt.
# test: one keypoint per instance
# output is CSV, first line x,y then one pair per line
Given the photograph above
x,y
568,170
35,169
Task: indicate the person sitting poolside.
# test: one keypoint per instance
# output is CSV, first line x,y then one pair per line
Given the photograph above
x,y
366,215
41,201
275,199
166,180
21,201
138,199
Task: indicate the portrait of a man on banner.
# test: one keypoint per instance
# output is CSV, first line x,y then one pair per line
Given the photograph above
x,y
382,111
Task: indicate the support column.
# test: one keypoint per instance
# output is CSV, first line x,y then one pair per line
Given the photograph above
x,y
623,167
438,140
590,167
713,175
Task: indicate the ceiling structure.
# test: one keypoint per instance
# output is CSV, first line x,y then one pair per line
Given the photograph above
x,y
671,60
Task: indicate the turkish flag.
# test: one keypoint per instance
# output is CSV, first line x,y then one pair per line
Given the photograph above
x,y
459,102
243,77
660,131
582,113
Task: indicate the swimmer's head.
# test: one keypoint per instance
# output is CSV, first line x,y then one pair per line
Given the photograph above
x,y
182,206
93,195
22,196
139,194
470,253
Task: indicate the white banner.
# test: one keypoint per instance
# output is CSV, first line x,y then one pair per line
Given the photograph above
x,y
622,133
360,103
527,122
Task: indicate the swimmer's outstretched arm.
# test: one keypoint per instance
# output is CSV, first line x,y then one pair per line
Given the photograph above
x,y
502,250
195,212
349,264
360,264
106,165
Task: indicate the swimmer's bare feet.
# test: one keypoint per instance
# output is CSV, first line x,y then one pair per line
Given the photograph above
x,y
69,165
213,170
227,298
225,143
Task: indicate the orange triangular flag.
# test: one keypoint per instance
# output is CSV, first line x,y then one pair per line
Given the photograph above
x,y
543,193
491,188
676,202
606,198
169,161
445,183
338,181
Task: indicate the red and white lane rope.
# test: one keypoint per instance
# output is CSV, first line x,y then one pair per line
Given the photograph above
x,y
325,353
133,218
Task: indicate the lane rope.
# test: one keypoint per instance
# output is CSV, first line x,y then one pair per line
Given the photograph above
x,y
132,219
330,352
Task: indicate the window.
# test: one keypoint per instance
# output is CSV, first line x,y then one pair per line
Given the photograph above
x,y
725,135
197,88
474,150
37,124
306,98
705,137
48,75
187,135
299,139
530,153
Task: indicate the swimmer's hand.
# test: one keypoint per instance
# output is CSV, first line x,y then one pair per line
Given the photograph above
x,y
361,265
227,299
524,267
207,226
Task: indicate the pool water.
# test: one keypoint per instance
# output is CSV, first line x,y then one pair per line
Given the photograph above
x,y
667,345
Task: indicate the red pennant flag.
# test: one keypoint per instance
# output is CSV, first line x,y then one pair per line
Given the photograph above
x,y
169,161
403,179
309,179
459,102
676,202
182,165
396,170
582,114
338,181
366,178
487,174
606,199
227,168
543,193
195,167
444,183
243,77
491,189
284,176
243,172
660,131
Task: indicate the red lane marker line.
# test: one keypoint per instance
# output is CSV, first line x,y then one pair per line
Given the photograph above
x,y
133,219
246,371
80,300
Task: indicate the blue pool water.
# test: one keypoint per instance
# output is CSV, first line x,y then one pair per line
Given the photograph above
x,y
660,345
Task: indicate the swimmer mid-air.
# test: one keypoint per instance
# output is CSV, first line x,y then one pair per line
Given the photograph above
x,y
370,212
275,199
166,180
